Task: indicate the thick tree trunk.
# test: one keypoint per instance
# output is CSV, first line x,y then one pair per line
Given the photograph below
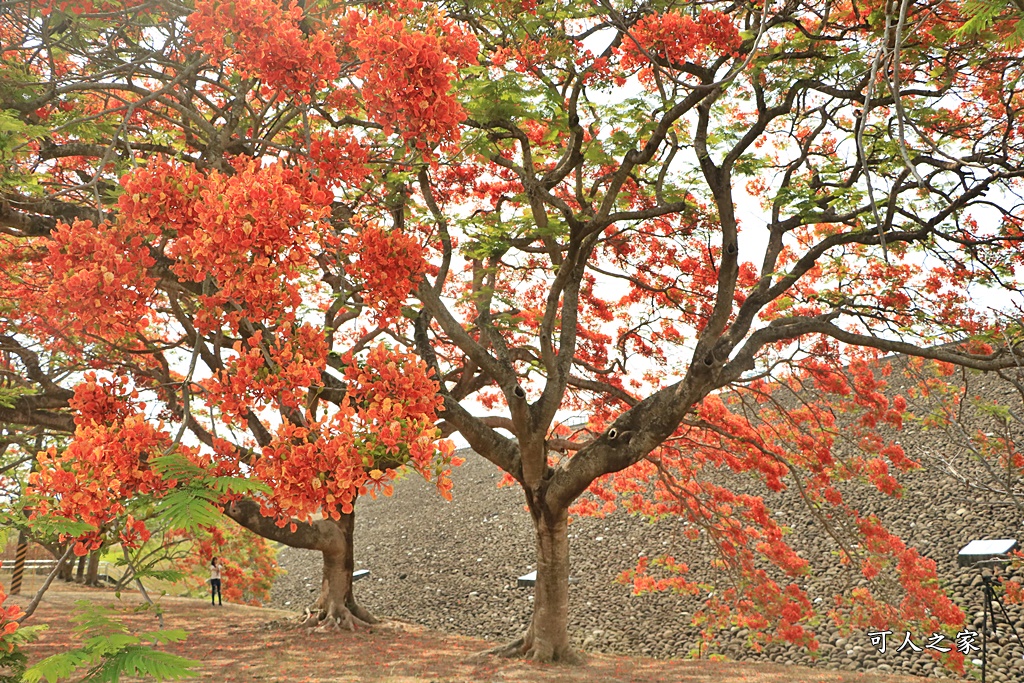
x,y
93,570
336,607
547,639
67,568
80,572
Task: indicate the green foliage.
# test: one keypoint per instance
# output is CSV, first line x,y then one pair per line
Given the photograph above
x,y
14,132
9,395
194,503
496,99
984,14
998,411
109,651
12,659
190,508
50,526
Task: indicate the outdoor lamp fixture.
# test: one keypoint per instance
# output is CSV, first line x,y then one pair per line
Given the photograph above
x,y
989,554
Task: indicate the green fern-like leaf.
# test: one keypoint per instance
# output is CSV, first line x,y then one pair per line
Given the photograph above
x,y
14,661
58,667
92,621
176,466
1016,39
239,485
111,644
189,508
171,635
142,661
54,526
984,13
10,395
194,503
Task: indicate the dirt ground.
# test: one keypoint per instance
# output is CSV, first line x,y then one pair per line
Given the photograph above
x,y
236,644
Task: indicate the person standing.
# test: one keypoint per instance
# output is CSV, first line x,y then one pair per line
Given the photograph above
x,y
215,571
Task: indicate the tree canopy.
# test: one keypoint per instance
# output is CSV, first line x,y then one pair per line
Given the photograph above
x,y
299,241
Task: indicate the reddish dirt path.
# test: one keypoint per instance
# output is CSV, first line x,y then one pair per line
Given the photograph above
x,y
236,644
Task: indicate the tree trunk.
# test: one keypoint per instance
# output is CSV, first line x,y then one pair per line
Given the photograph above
x,y
93,571
547,639
337,607
80,572
66,571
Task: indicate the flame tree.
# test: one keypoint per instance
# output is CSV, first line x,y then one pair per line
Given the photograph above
x,y
194,290
610,150
227,205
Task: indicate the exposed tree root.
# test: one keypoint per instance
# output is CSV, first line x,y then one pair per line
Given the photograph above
x,y
526,647
562,655
361,613
336,617
513,649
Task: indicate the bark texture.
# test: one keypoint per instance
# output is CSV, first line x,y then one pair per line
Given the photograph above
x,y
93,570
66,572
547,638
337,607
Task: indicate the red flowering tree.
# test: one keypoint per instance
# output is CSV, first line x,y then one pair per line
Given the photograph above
x,y
248,560
544,200
201,269
605,270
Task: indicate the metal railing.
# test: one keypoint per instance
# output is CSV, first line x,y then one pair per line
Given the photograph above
x,y
37,565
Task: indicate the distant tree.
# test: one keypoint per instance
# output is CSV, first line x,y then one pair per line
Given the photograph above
x,y
249,565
